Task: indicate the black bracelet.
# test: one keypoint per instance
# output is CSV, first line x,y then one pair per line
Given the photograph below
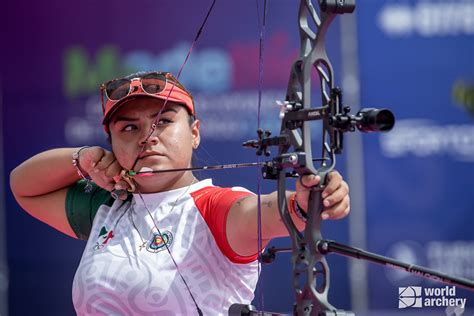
x,y
300,212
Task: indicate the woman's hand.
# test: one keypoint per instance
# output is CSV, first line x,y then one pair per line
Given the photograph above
x,y
335,195
102,167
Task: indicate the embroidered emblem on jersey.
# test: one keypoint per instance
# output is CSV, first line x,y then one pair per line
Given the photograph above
x,y
159,242
103,238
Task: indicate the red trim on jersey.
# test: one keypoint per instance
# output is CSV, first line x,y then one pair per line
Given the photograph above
x,y
214,204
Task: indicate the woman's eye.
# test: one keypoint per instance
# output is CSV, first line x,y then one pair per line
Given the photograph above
x,y
163,121
128,128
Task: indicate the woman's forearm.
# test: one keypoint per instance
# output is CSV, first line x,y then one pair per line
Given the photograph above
x,y
44,173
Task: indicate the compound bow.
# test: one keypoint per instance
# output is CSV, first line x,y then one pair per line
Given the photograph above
x,y
308,247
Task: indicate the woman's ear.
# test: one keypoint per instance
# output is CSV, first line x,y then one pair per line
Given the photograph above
x,y
195,133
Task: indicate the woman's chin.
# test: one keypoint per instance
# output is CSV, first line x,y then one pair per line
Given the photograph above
x,y
150,168
155,182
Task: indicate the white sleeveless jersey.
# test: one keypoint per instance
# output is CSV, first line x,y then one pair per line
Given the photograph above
x,y
126,268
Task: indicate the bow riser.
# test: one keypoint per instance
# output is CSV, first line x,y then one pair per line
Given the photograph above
x,y
307,261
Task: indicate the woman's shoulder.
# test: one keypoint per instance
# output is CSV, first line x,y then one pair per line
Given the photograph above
x,y
206,188
82,206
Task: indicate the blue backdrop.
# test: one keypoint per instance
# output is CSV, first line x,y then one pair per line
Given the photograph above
x,y
415,57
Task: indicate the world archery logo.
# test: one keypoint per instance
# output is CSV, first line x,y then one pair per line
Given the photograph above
x,y
409,297
160,242
417,296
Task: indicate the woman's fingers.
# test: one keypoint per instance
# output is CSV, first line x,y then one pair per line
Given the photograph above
x,y
335,195
104,162
334,180
303,188
102,167
338,210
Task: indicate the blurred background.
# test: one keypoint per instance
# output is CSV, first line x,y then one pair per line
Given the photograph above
x,y
412,189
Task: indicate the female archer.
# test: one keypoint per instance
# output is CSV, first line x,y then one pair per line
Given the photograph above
x,y
174,244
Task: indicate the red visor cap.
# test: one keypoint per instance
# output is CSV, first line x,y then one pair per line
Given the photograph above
x,y
177,95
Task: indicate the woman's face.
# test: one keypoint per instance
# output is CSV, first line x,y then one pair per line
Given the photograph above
x,y
169,147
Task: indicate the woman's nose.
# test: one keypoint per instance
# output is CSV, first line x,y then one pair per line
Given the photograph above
x,y
150,136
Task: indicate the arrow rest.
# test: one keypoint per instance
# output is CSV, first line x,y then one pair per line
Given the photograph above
x,y
264,141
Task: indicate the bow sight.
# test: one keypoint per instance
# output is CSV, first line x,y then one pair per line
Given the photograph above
x,y
340,121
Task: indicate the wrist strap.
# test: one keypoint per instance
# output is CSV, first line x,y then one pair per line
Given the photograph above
x,y
296,209
75,163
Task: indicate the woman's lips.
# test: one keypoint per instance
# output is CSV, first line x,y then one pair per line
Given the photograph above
x,y
149,154
147,170
154,158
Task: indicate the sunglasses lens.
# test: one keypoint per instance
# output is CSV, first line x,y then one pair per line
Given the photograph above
x,y
153,83
118,89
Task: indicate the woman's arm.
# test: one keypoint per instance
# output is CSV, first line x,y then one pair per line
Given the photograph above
x,y
40,184
242,216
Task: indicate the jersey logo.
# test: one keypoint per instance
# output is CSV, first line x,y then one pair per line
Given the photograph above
x,y
103,238
160,242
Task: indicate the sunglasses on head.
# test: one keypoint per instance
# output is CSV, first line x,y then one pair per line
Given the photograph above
x,y
150,82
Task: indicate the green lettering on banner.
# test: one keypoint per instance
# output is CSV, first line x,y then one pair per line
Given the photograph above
x,y
83,76
463,95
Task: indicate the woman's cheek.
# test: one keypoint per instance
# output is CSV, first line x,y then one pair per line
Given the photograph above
x,y
124,158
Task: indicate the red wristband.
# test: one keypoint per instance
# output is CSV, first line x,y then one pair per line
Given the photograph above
x,y
294,208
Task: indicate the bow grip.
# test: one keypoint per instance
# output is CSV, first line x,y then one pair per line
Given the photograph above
x,y
315,208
